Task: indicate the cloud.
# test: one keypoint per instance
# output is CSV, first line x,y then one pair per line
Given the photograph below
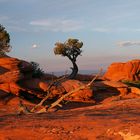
x,y
128,43
115,30
56,25
12,25
101,30
35,46
17,28
3,18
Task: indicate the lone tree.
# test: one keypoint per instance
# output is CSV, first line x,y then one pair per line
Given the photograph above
x,y
71,49
4,41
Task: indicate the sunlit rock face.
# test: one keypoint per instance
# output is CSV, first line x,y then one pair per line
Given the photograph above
x,y
81,95
13,70
16,78
123,71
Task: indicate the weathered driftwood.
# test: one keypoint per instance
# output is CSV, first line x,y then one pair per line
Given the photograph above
x,y
23,109
54,82
57,102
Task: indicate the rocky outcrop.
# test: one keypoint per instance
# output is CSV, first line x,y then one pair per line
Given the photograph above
x,y
82,95
135,90
122,88
35,84
12,71
118,87
16,78
11,76
123,71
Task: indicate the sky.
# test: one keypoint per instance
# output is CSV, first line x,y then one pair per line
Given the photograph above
x,y
109,30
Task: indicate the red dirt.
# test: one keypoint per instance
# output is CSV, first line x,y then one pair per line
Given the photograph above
x,y
117,120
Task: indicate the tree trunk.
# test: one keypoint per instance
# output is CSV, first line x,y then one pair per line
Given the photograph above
x,y
74,71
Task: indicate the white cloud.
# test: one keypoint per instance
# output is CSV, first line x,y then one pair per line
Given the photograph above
x,y
101,30
115,30
128,43
34,46
3,18
55,25
17,28
12,25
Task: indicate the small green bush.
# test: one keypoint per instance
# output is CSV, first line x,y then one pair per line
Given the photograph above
x,y
132,83
4,41
37,71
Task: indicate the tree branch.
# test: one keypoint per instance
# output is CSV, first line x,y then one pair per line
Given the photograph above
x,y
57,103
48,92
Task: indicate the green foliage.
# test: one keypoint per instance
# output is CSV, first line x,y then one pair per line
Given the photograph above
x,y
132,83
59,49
4,41
71,48
37,71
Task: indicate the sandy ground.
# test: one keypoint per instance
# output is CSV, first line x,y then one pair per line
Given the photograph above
x,y
116,120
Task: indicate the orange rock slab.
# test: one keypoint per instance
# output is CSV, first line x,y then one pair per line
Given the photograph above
x,y
85,94
123,71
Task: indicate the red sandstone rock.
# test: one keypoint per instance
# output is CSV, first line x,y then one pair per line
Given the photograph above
x,y
11,76
5,87
15,88
85,94
9,63
35,84
123,71
11,88
119,87
57,91
135,90
13,69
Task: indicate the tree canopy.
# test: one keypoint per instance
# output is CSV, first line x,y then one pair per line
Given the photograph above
x,y
71,49
4,41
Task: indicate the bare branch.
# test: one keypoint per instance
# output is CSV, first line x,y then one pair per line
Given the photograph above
x,y
48,92
57,103
75,90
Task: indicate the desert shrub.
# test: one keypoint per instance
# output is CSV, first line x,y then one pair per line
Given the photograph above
x,y
4,41
37,71
132,83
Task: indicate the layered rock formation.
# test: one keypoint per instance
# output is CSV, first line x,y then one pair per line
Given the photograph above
x,y
16,79
119,72
83,95
123,71
12,70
